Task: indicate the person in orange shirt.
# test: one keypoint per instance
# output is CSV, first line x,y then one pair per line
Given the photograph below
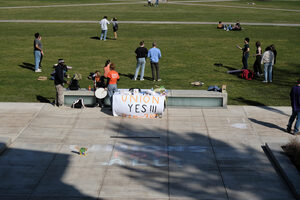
x,y
106,68
112,79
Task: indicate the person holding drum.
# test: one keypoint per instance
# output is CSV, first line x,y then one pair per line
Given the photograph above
x,y
99,85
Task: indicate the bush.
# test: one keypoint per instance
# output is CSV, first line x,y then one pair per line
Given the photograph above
x,y
292,149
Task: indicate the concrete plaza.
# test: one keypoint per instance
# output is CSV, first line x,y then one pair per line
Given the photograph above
x,y
188,154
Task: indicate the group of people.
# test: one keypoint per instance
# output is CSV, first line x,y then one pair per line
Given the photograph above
x,y
268,59
103,24
154,54
228,27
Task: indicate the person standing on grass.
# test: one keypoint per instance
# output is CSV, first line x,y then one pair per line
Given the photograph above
x,y
38,52
103,23
114,22
141,55
273,49
112,79
295,103
59,81
154,54
257,63
268,61
246,51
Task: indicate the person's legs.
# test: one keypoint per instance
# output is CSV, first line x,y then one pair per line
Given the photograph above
x,y
297,124
105,32
138,65
291,120
157,71
152,69
37,58
59,95
245,61
102,34
143,62
270,71
115,35
266,71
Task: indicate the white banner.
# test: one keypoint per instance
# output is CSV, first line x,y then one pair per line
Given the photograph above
x,y
138,105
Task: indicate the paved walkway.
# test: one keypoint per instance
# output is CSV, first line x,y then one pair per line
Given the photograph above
x,y
188,154
145,22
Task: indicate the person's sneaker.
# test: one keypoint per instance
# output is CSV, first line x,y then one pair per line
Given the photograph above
x,y
38,70
288,129
142,79
159,80
154,80
264,81
270,81
134,79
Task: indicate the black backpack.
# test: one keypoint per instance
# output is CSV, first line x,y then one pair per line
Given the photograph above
x,y
74,85
78,104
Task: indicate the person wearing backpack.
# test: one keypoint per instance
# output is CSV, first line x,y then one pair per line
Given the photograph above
x,y
59,81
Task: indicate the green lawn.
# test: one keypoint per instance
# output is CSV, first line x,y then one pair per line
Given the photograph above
x,y
189,51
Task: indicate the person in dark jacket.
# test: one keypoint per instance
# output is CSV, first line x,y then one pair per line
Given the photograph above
x,y
141,55
295,103
59,81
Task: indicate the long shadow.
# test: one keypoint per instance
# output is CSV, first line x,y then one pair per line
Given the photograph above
x,y
256,103
27,66
267,124
31,174
44,99
95,38
181,164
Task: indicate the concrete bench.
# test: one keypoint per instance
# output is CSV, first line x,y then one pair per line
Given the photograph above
x,y
72,95
196,98
176,98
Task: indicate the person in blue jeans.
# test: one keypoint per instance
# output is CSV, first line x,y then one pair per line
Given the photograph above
x,y
141,55
103,23
268,61
38,51
295,103
154,54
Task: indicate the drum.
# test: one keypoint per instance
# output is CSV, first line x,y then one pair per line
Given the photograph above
x,y
100,93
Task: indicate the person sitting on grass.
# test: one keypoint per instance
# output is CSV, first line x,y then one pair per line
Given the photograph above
x,y
237,26
112,79
220,25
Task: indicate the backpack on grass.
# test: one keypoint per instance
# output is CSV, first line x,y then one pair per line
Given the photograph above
x,y
247,74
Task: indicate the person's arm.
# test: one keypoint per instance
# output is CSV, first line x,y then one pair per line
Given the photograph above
x,y
263,57
237,46
272,57
159,54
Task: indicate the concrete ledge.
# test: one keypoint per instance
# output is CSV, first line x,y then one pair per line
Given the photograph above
x,y
197,98
285,166
4,143
71,95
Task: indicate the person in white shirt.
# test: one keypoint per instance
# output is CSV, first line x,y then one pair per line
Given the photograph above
x,y
268,61
103,23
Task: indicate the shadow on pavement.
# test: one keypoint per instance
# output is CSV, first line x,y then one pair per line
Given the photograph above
x,y
30,174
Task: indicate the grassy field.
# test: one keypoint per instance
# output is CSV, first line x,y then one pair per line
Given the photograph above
x,y
189,51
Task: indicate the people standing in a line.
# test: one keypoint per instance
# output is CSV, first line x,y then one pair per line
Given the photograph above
x,y
114,22
295,103
38,51
154,54
141,55
257,63
103,23
246,51
112,79
59,81
268,61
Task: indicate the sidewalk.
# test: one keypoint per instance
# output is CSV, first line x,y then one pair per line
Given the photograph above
x,y
187,154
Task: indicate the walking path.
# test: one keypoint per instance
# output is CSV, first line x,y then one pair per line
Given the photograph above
x,y
187,3
188,154
145,22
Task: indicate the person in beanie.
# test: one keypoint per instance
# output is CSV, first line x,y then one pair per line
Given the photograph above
x,y
295,103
